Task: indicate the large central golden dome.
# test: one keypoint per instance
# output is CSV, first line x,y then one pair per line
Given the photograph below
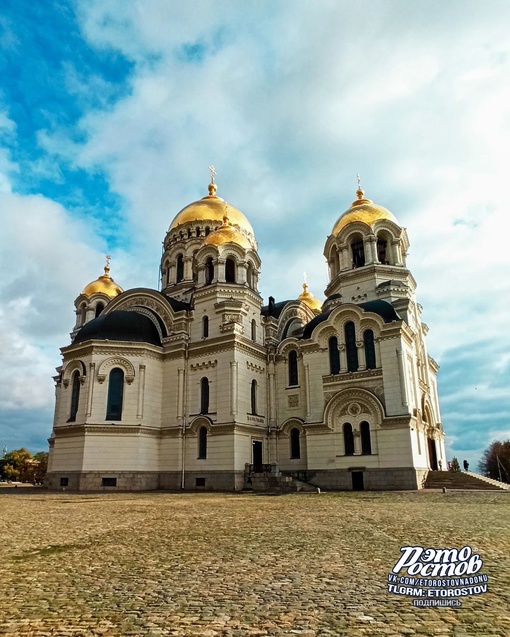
x,y
362,210
211,208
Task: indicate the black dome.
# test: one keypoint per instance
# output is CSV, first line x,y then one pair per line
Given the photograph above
x,y
120,326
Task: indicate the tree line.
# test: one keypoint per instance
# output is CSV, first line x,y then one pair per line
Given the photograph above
x,y
21,466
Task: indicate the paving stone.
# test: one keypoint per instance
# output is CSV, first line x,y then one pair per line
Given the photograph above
x,y
225,565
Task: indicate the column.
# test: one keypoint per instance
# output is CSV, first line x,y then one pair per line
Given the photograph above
x,y
180,394
343,358
345,261
370,251
307,391
402,377
233,388
141,391
90,396
188,268
362,363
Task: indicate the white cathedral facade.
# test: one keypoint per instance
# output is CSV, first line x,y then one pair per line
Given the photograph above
x,y
198,385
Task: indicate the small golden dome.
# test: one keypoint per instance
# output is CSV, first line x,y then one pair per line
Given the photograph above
x,y
308,298
211,208
363,210
103,285
227,234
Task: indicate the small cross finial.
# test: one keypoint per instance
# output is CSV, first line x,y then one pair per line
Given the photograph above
x,y
359,192
108,259
213,173
304,277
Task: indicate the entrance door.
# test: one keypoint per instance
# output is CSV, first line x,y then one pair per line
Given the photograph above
x,y
357,481
257,454
432,454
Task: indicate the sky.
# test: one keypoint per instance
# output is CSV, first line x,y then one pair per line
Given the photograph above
x,y
111,112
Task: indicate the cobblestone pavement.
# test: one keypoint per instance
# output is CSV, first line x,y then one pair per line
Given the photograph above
x,y
217,565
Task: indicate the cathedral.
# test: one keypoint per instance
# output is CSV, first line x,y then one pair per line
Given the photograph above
x,y
199,385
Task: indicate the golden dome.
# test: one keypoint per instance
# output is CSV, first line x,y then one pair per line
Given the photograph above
x,y
362,210
211,208
227,234
308,298
103,285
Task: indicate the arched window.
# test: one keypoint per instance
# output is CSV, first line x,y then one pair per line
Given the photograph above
x,y
180,269
254,397
75,396
249,276
334,356
254,330
368,339
295,444
207,230
230,270
197,231
115,395
209,271
348,439
204,396
350,347
202,443
382,250
205,327
293,368
99,309
358,252
366,445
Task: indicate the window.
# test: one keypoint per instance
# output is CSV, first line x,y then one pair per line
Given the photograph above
x,y
64,482
249,276
350,346
334,262
205,327
368,339
209,271
207,231
295,444
230,270
254,330
200,482
180,269
99,309
115,395
366,445
109,482
334,356
348,439
82,315
293,368
382,251
75,396
202,443
204,396
253,397
358,253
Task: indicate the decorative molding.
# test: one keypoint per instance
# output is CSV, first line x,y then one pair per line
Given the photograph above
x,y
256,368
293,401
117,361
203,365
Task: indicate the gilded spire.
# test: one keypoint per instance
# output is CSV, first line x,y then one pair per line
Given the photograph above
x,y
212,186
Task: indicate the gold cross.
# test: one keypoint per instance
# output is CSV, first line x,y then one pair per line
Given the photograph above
x,y
213,173
359,182
108,259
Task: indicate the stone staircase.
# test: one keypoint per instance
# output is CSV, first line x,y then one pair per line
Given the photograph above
x,y
278,482
462,480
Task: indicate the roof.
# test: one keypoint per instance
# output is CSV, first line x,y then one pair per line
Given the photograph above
x,y
384,309
120,326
